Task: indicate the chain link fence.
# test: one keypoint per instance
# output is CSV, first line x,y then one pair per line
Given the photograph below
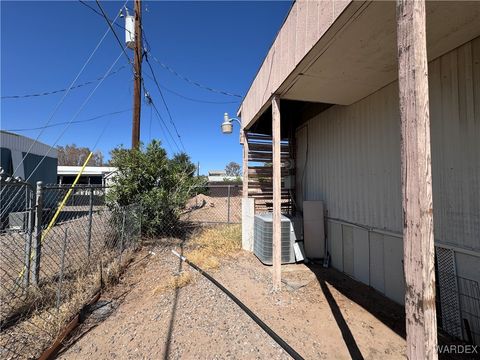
x,y
58,244
214,204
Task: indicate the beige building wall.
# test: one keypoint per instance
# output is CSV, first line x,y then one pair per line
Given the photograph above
x,y
349,157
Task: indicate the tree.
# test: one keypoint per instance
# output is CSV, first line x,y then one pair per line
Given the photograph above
x,y
76,156
162,186
182,161
232,169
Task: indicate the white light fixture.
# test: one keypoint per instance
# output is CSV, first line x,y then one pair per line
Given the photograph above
x,y
227,125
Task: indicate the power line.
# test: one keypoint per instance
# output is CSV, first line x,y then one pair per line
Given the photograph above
x,y
60,102
62,90
149,101
150,126
198,100
101,134
154,76
196,83
74,117
100,14
160,120
159,117
64,130
166,127
164,102
193,82
73,122
193,99
167,67
90,7
112,29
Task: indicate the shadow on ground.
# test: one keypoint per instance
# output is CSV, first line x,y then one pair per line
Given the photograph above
x,y
384,309
171,324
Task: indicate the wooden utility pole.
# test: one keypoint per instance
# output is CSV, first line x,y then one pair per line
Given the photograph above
x,y
277,196
137,81
418,242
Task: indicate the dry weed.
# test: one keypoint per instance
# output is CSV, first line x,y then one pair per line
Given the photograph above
x,y
175,282
215,243
43,321
112,272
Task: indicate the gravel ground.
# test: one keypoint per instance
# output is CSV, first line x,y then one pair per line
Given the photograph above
x,y
196,321
213,209
318,312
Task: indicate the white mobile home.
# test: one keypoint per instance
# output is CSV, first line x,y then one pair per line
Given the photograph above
x,y
329,85
91,175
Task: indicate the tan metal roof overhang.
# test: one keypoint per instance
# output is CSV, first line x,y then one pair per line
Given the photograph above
x,y
339,52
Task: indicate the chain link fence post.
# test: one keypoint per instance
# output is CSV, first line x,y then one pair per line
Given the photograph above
x,y
55,256
90,215
228,204
38,231
122,234
30,209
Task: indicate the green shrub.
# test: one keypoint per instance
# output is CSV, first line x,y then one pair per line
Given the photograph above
x,y
160,184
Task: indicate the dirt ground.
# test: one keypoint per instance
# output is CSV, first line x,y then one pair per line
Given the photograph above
x,y
213,209
321,313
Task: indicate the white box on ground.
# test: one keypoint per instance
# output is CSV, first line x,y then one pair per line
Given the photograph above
x,y
313,229
299,251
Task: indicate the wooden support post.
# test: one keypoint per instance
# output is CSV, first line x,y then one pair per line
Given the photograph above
x,y
277,248
418,245
244,140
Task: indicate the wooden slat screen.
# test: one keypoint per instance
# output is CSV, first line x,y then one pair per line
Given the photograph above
x,y
260,172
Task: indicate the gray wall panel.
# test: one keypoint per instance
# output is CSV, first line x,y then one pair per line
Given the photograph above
x,y
394,280
361,255
335,243
348,255
377,270
468,266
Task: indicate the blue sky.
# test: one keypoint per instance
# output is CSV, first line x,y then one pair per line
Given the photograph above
x,y
219,44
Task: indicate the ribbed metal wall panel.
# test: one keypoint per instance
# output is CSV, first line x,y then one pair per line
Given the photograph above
x,y
22,143
455,124
353,160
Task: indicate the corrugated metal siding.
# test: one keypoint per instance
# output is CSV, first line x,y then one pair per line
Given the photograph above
x,y
455,124
22,143
353,160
